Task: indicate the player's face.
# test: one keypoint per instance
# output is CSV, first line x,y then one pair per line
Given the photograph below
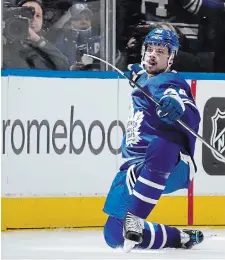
x,y
156,59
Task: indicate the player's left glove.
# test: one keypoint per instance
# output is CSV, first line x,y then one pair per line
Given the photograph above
x,y
171,108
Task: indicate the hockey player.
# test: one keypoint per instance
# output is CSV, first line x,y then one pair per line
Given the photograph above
x,y
157,151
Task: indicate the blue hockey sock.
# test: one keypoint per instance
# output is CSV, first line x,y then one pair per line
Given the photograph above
x,y
147,191
155,235
161,159
158,236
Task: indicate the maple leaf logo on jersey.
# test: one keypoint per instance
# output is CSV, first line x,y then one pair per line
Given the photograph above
x,y
133,126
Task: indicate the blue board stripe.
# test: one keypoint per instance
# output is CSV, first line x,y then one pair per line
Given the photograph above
x,y
96,74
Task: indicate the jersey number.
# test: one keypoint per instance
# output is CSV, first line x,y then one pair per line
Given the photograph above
x,y
160,10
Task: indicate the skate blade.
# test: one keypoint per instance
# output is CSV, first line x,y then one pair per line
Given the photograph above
x,y
128,245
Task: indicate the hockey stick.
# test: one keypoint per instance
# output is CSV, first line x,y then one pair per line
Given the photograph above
x,y
152,99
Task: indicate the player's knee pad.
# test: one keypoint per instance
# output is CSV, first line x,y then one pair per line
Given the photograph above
x,y
113,232
162,155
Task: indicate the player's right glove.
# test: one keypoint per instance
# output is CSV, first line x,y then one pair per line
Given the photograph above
x,y
171,108
136,71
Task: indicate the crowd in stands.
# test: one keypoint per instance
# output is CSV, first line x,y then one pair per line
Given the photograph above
x,y
55,34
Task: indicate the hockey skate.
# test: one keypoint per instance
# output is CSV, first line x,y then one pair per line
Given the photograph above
x,y
132,231
190,237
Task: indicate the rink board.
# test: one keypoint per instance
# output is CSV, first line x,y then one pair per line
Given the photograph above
x,y
61,150
87,212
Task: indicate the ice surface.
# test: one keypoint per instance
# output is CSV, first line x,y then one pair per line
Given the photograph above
x,y
74,244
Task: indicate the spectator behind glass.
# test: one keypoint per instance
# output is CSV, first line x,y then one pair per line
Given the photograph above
x,y
29,49
219,60
76,38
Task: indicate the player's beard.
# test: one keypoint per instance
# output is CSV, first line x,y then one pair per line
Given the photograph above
x,y
152,68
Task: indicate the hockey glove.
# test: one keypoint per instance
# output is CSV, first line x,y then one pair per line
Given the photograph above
x,y
136,71
171,108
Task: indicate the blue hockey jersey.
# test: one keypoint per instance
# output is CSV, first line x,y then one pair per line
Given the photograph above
x,y
143,122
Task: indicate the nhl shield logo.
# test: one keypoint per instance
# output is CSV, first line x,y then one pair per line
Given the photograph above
x,y
218,133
